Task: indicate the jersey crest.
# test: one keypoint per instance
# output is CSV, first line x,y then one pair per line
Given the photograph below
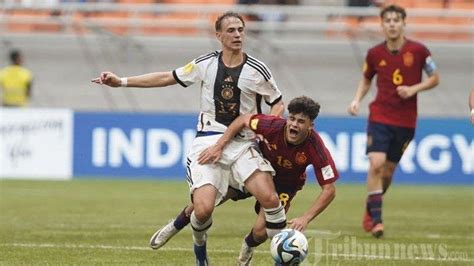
x,y
301,158
227,93
408,59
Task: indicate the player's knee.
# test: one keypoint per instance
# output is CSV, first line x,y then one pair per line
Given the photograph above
x,y
376,168
267,197
203,211
269,200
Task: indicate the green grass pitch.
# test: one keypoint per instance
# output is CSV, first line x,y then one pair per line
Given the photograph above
x,y
96,222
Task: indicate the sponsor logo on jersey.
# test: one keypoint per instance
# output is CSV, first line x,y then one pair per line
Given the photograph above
x,y
229,79
300,158
408,59
382,63
327,171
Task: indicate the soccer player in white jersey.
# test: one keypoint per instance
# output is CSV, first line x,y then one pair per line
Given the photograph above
x,y
232,83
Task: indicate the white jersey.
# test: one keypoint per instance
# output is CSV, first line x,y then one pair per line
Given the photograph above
x,y
228,92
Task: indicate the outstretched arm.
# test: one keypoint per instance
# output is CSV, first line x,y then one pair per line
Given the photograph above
x,y
362,89
326,196
213,153
156,79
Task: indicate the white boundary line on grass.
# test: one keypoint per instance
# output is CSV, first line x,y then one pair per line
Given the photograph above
x,y
356,256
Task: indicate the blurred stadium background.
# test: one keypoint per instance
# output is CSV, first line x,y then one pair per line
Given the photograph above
x,y
313,47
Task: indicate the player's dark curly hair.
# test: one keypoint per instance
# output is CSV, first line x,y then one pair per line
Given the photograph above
x,y
393,8
227,14
304,105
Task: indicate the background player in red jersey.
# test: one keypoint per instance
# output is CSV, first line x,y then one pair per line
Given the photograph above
x,y
398,63
290,145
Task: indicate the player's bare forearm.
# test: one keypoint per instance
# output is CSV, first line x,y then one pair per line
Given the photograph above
x,y
406,92
278,109
362,89
156,79
213,153
326,196
234,128
429,83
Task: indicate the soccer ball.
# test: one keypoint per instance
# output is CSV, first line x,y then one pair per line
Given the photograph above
x,y
289,247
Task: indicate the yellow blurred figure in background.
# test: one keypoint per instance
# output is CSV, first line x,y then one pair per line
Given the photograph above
x,y
15,82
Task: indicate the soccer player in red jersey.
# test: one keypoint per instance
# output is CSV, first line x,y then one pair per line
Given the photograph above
x,y
398,63
290,146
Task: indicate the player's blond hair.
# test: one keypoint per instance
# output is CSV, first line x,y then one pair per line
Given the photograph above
x,y
228,14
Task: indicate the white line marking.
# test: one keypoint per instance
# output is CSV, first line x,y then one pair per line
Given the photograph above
x,y
333,256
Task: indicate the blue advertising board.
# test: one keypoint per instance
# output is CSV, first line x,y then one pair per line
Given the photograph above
x,y
155,146
131,145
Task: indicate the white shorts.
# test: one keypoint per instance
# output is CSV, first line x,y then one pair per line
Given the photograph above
x,y
246,164
239,160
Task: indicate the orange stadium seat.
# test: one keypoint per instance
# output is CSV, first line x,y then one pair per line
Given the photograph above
x,y
230,2
461,4
137,1
34,25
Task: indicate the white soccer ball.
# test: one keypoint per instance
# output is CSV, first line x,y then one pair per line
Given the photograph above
x,y
289,247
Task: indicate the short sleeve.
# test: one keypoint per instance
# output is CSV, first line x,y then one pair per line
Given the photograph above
x,y
368,68
188,74
271,93
264,124
265,85
429,66
323,164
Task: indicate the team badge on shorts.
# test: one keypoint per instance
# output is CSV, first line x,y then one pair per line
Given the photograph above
x,y
408,59
300,158
370,140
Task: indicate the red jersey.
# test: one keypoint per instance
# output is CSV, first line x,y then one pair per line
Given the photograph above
x,y
393,70
290,161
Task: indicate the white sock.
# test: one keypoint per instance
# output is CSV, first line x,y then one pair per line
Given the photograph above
x,y
200,229
275,220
